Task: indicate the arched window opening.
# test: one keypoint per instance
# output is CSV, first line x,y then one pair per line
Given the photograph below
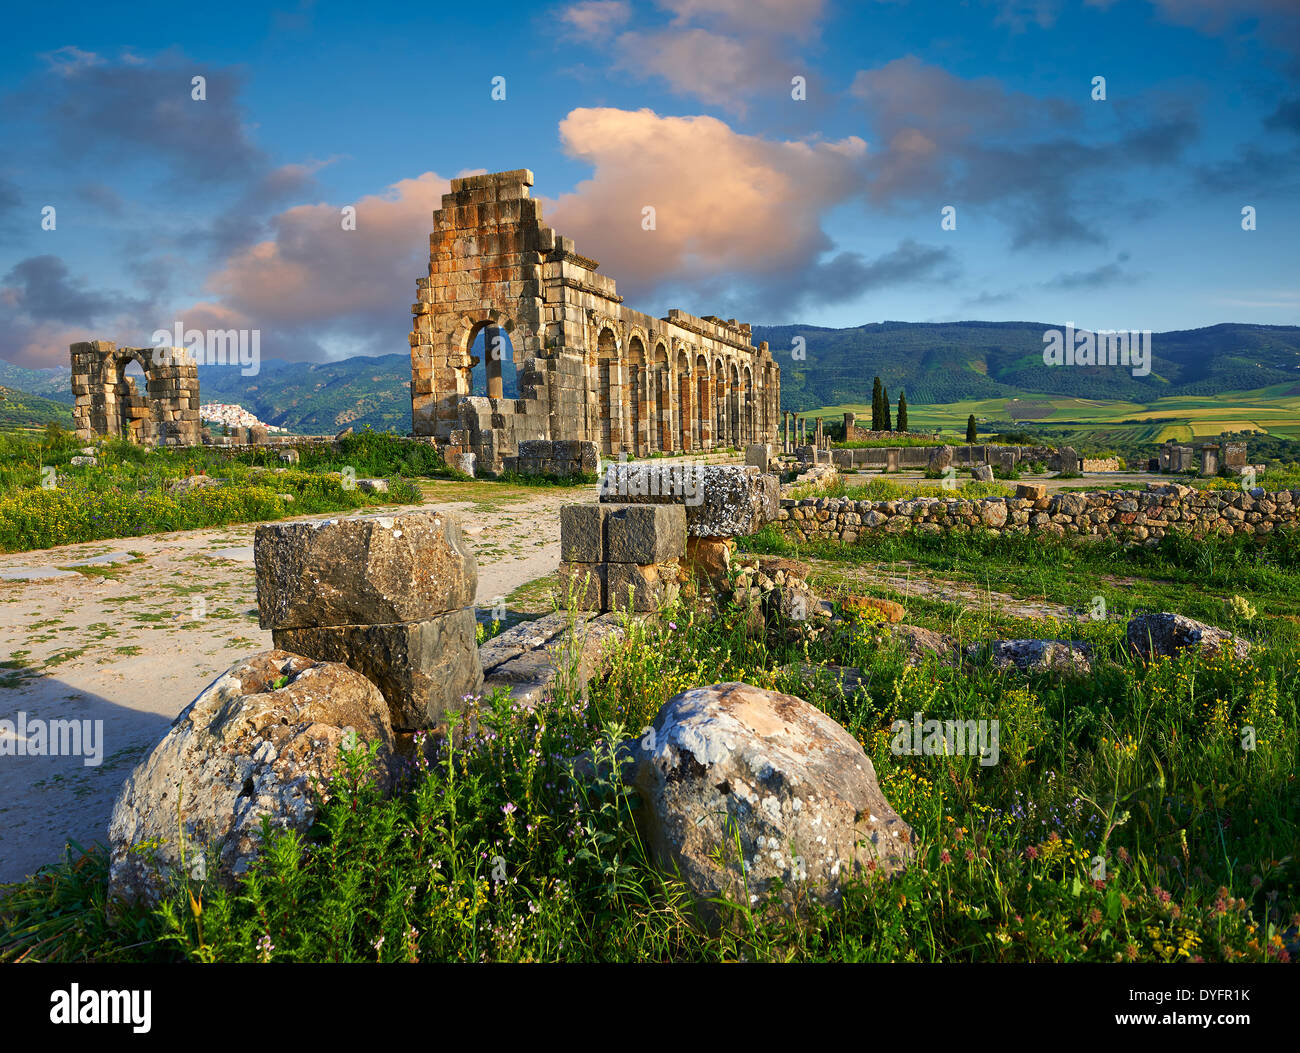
x,y
493,373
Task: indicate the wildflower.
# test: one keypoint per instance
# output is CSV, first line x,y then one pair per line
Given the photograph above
x,y
509,808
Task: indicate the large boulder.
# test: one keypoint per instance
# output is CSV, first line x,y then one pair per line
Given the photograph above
x,y
1167,634
256,742
362,570
1038,656
741,788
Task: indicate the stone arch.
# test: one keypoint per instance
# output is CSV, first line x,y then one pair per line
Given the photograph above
x,y
750,433
636,407
661,420
721,387
704,396
460,360
685,411
129,412
607,387
735,432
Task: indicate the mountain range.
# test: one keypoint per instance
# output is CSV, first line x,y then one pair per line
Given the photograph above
x,y
934,363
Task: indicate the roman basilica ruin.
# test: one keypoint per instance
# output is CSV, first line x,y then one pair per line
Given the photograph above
x,y
589,368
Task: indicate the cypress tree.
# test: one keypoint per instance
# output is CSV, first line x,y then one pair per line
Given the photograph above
x,y
902,412
885,423
875,405
970,429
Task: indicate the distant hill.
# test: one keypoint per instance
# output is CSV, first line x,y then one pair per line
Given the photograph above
x,y
19,409
956,361
934,362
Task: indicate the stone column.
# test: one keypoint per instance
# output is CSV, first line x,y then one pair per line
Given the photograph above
x,y
1210,459
493,354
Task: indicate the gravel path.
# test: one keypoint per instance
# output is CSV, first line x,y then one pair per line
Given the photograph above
x,y
135,634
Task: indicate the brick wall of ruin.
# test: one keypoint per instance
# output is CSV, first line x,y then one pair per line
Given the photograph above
x,y
107,402
588,367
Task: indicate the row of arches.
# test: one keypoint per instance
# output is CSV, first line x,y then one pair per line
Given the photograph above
x,y
649,399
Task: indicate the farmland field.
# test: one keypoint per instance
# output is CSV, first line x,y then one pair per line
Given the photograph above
x,y
1273,410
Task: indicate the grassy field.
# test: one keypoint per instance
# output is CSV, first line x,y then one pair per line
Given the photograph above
x,y
1275,410
1123,822
131,491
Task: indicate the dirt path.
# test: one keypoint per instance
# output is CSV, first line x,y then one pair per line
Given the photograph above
x,y
132,638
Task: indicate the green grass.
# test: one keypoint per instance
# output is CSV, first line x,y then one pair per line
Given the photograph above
x,y
128,492
1124,820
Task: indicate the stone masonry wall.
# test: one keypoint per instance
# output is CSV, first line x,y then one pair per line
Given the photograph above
x,y
106,401
1133,517
962,456
589,367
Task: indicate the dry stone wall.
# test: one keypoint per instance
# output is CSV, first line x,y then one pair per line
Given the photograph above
x,y
1133,517
892,458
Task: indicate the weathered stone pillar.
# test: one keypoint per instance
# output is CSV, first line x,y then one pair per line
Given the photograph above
x,y
493,354
1210,459
389,597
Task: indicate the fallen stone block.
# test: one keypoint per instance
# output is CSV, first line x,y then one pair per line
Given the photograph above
x,y
423,669
710,558
982,473
534,660
362,570
1031,491
722,500
1166,634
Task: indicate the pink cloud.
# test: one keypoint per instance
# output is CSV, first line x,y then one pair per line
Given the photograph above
x,y
724,202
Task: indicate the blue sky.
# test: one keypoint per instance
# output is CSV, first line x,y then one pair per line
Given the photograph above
x,y
1122,213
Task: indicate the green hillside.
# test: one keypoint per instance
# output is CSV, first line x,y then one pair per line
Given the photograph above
x,y
18,409
994,368
973,361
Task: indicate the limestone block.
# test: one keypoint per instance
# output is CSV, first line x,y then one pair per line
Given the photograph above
x,y
644,533
583,586
639,588
582,533
362,570
423,669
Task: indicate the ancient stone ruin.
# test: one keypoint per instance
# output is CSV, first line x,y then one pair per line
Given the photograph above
x,y
655,525
589,368
108,403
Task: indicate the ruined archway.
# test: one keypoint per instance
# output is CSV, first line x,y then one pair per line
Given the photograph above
x,y
635,408
607,388
662,434
145,395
